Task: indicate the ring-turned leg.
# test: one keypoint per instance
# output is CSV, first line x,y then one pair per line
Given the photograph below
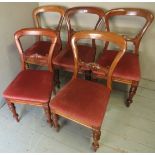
x,y
132,92
13,110
55,121
48,114
27,66
88,75
96,138
56,78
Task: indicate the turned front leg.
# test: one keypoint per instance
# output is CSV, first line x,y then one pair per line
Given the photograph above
x,y
55,121
132,92
48,114
13,110
87,75
56,78
96,138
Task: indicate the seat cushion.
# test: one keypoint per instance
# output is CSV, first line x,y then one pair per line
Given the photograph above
x,y
65,59
128,68
82,101
30,85
42,48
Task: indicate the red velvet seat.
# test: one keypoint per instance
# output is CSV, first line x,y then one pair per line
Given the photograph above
x,y
41,48
30,85
66,60
128,67
82,101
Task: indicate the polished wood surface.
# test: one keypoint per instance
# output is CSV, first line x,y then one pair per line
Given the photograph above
x,y
82,9
50,9
146,14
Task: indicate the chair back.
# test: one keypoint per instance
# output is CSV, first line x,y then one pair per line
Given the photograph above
x,y
51,9
104,36
85,10
147,15
35,32
39,11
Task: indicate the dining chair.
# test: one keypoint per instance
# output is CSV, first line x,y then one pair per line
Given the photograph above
x,y
31,87
128,69
37,53
64,60
84,101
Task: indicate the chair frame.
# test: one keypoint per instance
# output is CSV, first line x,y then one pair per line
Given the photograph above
x,y
31,32
105,36
148,16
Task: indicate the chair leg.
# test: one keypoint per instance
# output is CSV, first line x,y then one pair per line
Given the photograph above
x,y
48,114
88,75
55,122
27,66
96,138
13,110
57,80
132,92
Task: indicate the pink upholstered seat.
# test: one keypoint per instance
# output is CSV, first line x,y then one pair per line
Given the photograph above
x,y
42,48
82,101
65,59
30,85
128,68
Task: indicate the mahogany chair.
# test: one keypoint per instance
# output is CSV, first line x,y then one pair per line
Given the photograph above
x,y
32,87
38,52
87,53
128,69
84,101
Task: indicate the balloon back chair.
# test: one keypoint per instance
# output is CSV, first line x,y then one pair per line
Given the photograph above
x,y
38,52
128,69
87,53
84,101
32,87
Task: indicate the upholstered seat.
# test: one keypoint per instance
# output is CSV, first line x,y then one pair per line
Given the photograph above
x,y
82,101
30,85
128,67
66,60
41,48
